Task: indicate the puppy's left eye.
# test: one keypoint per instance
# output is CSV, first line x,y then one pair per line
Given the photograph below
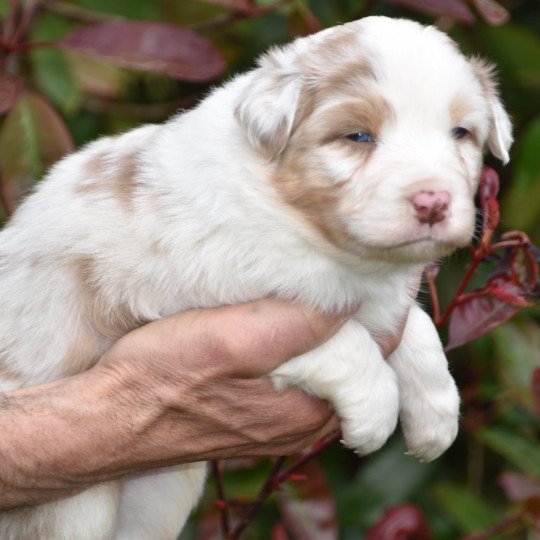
x,y
362,136
460,133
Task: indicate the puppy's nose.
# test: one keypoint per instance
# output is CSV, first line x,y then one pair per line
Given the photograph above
x,y
431,206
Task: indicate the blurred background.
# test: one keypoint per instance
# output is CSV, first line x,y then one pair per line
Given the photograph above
x,y
73,70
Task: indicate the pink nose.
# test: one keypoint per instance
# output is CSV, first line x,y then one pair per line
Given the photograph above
x,y
431,206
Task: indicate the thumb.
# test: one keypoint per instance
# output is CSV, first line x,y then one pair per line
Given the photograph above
x,y
260,336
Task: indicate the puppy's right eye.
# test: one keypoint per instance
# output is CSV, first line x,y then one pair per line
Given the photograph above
x,y
363,136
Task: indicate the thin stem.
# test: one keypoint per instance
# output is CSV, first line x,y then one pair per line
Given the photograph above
x,y
275,479
433,294
461,289
264,493
499,527
223,507
27,18
298,464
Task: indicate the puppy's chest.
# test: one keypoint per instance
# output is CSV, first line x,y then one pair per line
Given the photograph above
x,y
383,315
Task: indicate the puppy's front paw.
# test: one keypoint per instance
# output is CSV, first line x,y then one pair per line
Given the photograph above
x,y
370,417
430,421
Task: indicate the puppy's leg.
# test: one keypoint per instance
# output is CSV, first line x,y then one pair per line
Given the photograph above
x,y
429,400
155,505
350,372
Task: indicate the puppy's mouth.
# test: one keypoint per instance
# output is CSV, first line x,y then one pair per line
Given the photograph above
x,y
414,250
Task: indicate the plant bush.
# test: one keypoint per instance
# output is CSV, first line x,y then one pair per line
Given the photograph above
x,y
71,71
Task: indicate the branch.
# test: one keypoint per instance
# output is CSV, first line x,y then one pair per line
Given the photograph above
x,y
222,501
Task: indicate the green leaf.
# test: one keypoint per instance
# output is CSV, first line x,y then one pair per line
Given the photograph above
x,y
521,206
32,138
517,352
520,451
4,8
468,511
515,50
51,71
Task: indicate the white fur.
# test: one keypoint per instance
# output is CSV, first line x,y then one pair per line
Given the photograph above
x,y
205,226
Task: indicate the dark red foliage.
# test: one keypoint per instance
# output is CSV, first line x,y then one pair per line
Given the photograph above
x,y
456,9
10,89
401,522
158,47
480,314
519,487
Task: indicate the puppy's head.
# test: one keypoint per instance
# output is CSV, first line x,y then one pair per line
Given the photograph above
x,y
374,132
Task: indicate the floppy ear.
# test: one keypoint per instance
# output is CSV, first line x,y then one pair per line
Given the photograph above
x,y
267,105
500,129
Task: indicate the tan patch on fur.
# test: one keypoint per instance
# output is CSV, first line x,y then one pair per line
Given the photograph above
x,y
459,109
367,115
108,172
306,186
108,321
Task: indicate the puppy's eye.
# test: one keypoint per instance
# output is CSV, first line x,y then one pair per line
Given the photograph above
x,y
460,133
363,136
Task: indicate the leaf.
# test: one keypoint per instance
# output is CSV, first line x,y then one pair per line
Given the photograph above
x,y
522,204
10,88
456,9
235,5
520,451
518,487
279,532
516,51
469,511
33,137
149,46
480,314
492,11
50,70
401,522
96,78
309,510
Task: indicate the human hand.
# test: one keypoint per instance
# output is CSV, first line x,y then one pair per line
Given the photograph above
x,y
198,387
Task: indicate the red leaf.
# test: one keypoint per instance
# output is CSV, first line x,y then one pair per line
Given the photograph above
x,y
489,189
279,532
401,522
492,11
518,487
489,184
157,47
456,9
231,4
243,7
312,509
10,89
535,388
480,314
32,138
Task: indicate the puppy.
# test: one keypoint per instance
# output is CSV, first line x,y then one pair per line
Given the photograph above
x,y
330,174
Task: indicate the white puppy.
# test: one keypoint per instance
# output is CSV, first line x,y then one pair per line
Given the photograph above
x,y
329,174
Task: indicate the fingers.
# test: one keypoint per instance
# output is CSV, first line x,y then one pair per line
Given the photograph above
x,y
261,335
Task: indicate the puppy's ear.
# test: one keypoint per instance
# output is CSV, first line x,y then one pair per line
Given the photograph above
x,y
500,130
267,106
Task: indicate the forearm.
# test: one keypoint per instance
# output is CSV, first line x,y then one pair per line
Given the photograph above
x,y
60,438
